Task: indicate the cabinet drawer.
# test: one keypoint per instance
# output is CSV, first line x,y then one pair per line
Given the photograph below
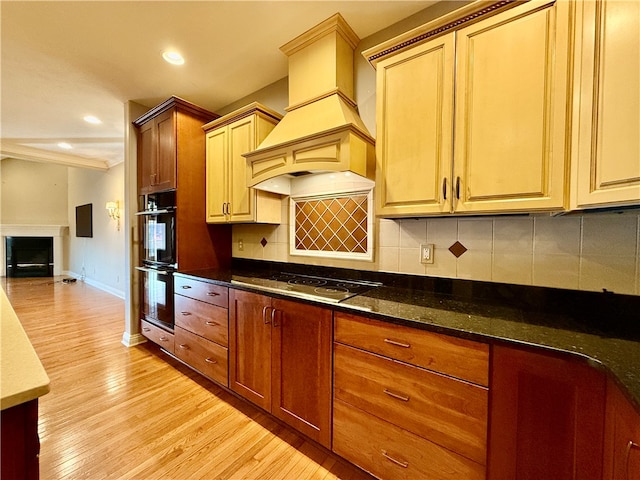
x,y
205,356
392,453
447,411
441,353
157,335
203,291
208,321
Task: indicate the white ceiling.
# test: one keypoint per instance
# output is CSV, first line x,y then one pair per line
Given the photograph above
x,y
62,60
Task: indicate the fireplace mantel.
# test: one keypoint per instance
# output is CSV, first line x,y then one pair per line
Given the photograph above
x,y
28,230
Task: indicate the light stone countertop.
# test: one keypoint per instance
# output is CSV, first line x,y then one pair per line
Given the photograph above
x,y
22,376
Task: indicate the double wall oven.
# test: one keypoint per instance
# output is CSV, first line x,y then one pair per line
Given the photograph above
x,y
157,213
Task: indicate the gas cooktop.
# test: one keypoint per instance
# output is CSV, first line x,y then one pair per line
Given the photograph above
x,y
306,286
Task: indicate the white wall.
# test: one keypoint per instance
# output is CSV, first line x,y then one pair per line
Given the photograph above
x,y
33,193
99,260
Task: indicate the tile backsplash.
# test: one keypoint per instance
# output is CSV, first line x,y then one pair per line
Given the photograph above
x,y
594,251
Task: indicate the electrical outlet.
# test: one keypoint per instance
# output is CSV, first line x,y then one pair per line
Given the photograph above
x,y
426,253
240,245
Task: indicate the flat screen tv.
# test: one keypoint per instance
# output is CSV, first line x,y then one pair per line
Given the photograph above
x,y
84,220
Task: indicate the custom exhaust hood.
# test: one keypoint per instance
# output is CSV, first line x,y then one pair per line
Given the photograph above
x,y
321,131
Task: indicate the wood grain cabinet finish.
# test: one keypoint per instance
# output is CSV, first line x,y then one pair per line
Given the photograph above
x,y
547,417
164,135
202,327
621,437
229,199
19,442
606,160
483,129
451,356
206,356
157,335
280,359
203,291
400,383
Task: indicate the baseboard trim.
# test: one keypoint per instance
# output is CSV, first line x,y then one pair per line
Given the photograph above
x,y
96,284
131,340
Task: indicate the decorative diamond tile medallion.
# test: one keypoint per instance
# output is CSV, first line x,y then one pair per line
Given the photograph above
x,y
457,249
336,226
263,242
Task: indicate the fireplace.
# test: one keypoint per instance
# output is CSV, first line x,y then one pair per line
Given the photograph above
x,y
54,232
29,256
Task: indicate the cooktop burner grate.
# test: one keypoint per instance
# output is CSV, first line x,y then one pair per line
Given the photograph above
x,y
308,286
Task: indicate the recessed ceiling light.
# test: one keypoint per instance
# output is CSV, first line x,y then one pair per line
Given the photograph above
x,y
65,145
173,58
92,119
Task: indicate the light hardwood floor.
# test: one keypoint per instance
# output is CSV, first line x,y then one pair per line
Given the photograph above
x,y
134,413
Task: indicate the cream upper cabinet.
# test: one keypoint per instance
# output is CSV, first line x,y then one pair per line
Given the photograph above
x,y
606,161
415,127
475,119
227,138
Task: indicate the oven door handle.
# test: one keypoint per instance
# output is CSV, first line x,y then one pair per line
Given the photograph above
x,y
156,212
153,270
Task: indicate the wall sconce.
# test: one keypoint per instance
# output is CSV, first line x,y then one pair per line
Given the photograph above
x,y
113,211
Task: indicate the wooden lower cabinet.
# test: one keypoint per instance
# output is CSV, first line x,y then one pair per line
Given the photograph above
x,y
621,437
547,417
397,414
280,359
157,335
204,355
19,442
393,453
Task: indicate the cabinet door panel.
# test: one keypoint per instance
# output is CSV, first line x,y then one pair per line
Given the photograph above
x,y
415,107
241,140
250,347
166,166
622,437
608,159
302,368
216,175
510,125
146,157
547,417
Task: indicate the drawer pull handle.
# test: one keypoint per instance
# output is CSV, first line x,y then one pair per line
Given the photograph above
x,y
210,360
186,314
213,294
211,323
397,344
630,446
146,329
186,287
163,339
184,346
399,396
397,462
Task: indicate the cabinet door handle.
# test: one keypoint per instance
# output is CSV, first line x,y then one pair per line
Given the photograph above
x,y
186,314
223,210
444,188
211,323
265,319
184,346
399,396
397,462
396,343
458,188
273,318
186,287
213,294
210,360
631,445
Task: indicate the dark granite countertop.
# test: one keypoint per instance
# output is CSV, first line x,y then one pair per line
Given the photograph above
x,y
601,328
